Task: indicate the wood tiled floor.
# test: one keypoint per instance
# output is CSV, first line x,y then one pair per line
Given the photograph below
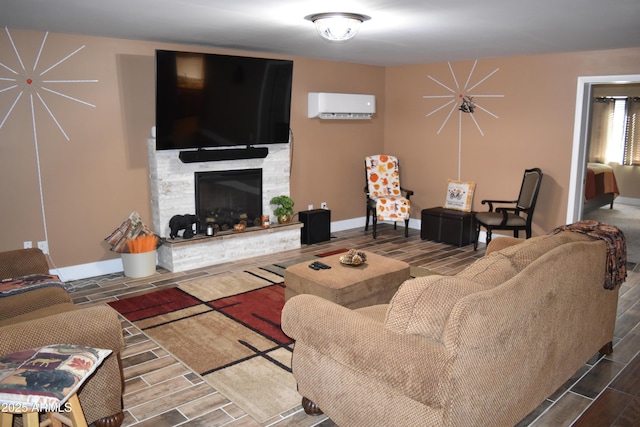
x,y
161,392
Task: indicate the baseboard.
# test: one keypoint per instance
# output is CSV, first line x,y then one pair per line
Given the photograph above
x,y
627,201
349,224
92,269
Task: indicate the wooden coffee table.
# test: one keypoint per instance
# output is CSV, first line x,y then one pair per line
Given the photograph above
x,y
351,286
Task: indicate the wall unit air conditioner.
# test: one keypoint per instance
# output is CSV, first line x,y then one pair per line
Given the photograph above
x,y
341,106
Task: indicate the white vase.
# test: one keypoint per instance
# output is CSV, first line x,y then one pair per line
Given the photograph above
x,y
140,264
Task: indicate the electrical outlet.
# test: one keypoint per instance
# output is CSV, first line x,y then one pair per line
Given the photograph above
x,y
27,244
323,205
310,207
44,246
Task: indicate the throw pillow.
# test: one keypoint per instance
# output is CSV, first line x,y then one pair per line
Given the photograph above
x,y
459,195
46,377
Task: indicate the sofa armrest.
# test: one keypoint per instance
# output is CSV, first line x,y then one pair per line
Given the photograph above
x,y
557,306
363,345
22,262
97,326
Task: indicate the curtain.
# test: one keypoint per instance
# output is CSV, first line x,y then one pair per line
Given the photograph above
x,y
632,133
601,129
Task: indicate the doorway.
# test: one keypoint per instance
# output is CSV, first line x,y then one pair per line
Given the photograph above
x,y
580,135
624,216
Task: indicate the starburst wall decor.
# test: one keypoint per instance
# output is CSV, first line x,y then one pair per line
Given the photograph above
x,y
462,99
27,85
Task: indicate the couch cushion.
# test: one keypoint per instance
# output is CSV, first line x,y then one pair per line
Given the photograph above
x,y
41,312
523,254
490,270
23,303
499,266
502,242
422,305
376,312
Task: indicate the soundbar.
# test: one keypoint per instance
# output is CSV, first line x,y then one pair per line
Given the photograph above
x,y
226,154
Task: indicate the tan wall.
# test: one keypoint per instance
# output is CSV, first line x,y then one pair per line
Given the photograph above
x,y
534,127
329,155
94,180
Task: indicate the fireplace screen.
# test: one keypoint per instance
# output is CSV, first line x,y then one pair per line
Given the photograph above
x,y
225,198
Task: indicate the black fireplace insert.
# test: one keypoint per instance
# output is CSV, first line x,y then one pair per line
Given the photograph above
x,y
226,198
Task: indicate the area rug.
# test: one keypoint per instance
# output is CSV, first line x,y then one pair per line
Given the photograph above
x,y
227,329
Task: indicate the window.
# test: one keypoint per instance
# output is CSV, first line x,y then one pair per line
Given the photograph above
x,y
615,135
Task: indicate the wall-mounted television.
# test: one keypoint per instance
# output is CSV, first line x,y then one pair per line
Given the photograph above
x,y
209,100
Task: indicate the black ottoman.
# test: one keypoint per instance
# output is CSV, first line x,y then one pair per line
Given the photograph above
x,y
448,226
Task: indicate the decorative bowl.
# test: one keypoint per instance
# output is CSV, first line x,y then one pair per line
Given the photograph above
x,y
353,258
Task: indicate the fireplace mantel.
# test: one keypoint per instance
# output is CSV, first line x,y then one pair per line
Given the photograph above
x,y
172,184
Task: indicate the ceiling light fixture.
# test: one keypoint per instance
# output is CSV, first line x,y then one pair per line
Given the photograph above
x,y
337,26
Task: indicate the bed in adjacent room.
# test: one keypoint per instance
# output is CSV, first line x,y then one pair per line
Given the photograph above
x,y
601,187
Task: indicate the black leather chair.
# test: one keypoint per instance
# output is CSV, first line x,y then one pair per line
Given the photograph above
x,y
517,217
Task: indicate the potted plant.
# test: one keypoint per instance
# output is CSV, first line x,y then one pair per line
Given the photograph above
x,y
284,210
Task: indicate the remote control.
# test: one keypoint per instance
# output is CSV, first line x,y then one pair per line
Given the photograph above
x,y
322,265
317,265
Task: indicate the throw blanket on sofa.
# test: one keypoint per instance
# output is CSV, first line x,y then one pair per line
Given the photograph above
x,y
18,285
616,248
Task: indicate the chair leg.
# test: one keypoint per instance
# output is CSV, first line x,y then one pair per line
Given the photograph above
x,y
375,225
310,408
6,419
366,221
53,421
488,235
30,419
606,349
406,228
475,242
76,415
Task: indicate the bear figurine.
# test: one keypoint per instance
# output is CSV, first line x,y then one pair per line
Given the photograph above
x,y
182,222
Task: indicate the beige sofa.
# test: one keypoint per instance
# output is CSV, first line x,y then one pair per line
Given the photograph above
x,y
48,316
482,348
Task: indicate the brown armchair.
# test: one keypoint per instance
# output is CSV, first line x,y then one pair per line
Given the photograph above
x,y
516,217
48,316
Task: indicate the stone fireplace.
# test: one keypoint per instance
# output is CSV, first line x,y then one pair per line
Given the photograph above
x,y
173,192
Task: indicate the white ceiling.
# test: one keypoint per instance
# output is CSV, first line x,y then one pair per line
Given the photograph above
x,y
399,32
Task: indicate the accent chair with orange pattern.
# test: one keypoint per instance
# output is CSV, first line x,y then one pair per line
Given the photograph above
x,y
387,200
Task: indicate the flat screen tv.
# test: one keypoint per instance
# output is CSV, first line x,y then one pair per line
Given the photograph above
x,y
209,100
